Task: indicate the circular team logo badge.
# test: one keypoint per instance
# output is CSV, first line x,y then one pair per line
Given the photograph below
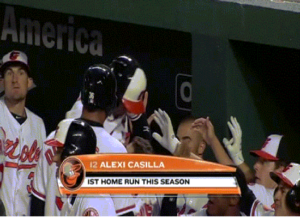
x,y
72,173
90,212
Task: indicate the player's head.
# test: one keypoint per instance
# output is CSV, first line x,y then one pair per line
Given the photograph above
x,y
272,157
189,136
223,205
73,137
131,81
139,146
99,88
15,76
287,196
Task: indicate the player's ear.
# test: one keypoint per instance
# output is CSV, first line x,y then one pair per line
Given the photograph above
x,y
30,83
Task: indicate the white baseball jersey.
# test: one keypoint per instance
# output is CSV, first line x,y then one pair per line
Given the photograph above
x,y
88,206
45,181
264,195
259,209
44,184
189,204
118,128
22,150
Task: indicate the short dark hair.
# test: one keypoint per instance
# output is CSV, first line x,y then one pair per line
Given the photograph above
x,y
189,118
142,146
281,163
14,64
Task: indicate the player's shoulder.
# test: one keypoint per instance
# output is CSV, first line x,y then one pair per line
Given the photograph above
x,y
34,117
2,103
256,186
105,139
100,206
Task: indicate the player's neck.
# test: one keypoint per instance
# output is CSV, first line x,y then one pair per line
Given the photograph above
x,y
16,107
96,116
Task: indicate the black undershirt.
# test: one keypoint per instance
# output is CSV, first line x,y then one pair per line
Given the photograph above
x,y
18,118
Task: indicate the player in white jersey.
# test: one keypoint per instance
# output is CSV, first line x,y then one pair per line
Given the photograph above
x,y
272,157
286,195
98,81
76,137
25,133
44,171
129,118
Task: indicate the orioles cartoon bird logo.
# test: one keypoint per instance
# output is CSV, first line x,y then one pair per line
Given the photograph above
x,y
72,174
14,55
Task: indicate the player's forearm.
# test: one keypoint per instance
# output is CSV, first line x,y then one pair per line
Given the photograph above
x,y
141,128
247,172
219,152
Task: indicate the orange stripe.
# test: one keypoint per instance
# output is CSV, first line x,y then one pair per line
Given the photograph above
x,y
125,208
93,162
229,191
21,166
26,166
11,165
254,207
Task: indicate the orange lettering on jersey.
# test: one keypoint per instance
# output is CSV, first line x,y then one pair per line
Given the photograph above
x,y
12,145
31,154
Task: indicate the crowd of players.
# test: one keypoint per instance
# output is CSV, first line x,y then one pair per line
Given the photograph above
x,y
110,117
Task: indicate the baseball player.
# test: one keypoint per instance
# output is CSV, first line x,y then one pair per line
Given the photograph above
x,y
272,157
76,137
44,171
129,118
286,195
98,97
25,133
185,204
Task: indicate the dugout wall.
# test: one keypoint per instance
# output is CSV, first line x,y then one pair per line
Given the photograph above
x,y
244,59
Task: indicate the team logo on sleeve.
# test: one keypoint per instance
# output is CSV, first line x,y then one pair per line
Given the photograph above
x,y
90,212
72,173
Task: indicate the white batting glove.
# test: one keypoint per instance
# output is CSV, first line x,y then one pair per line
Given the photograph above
x,y
234,145
168,139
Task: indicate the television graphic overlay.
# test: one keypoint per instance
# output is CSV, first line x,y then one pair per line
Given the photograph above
x,y
144,174
72,173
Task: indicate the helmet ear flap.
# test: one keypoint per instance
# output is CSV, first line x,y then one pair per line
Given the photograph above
x,y
293,198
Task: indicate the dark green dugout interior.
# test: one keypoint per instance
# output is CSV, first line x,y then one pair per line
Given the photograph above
x,y
244,60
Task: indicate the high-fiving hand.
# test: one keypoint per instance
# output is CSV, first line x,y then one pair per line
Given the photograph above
x,y
234,145
168,139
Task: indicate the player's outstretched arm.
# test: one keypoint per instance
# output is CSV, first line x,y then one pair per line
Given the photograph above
x,y
234,148
206,129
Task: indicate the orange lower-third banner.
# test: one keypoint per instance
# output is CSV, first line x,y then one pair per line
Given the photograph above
x,y
144,174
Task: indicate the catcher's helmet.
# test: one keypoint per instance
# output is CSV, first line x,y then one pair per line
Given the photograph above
x,y
99,88
75,136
